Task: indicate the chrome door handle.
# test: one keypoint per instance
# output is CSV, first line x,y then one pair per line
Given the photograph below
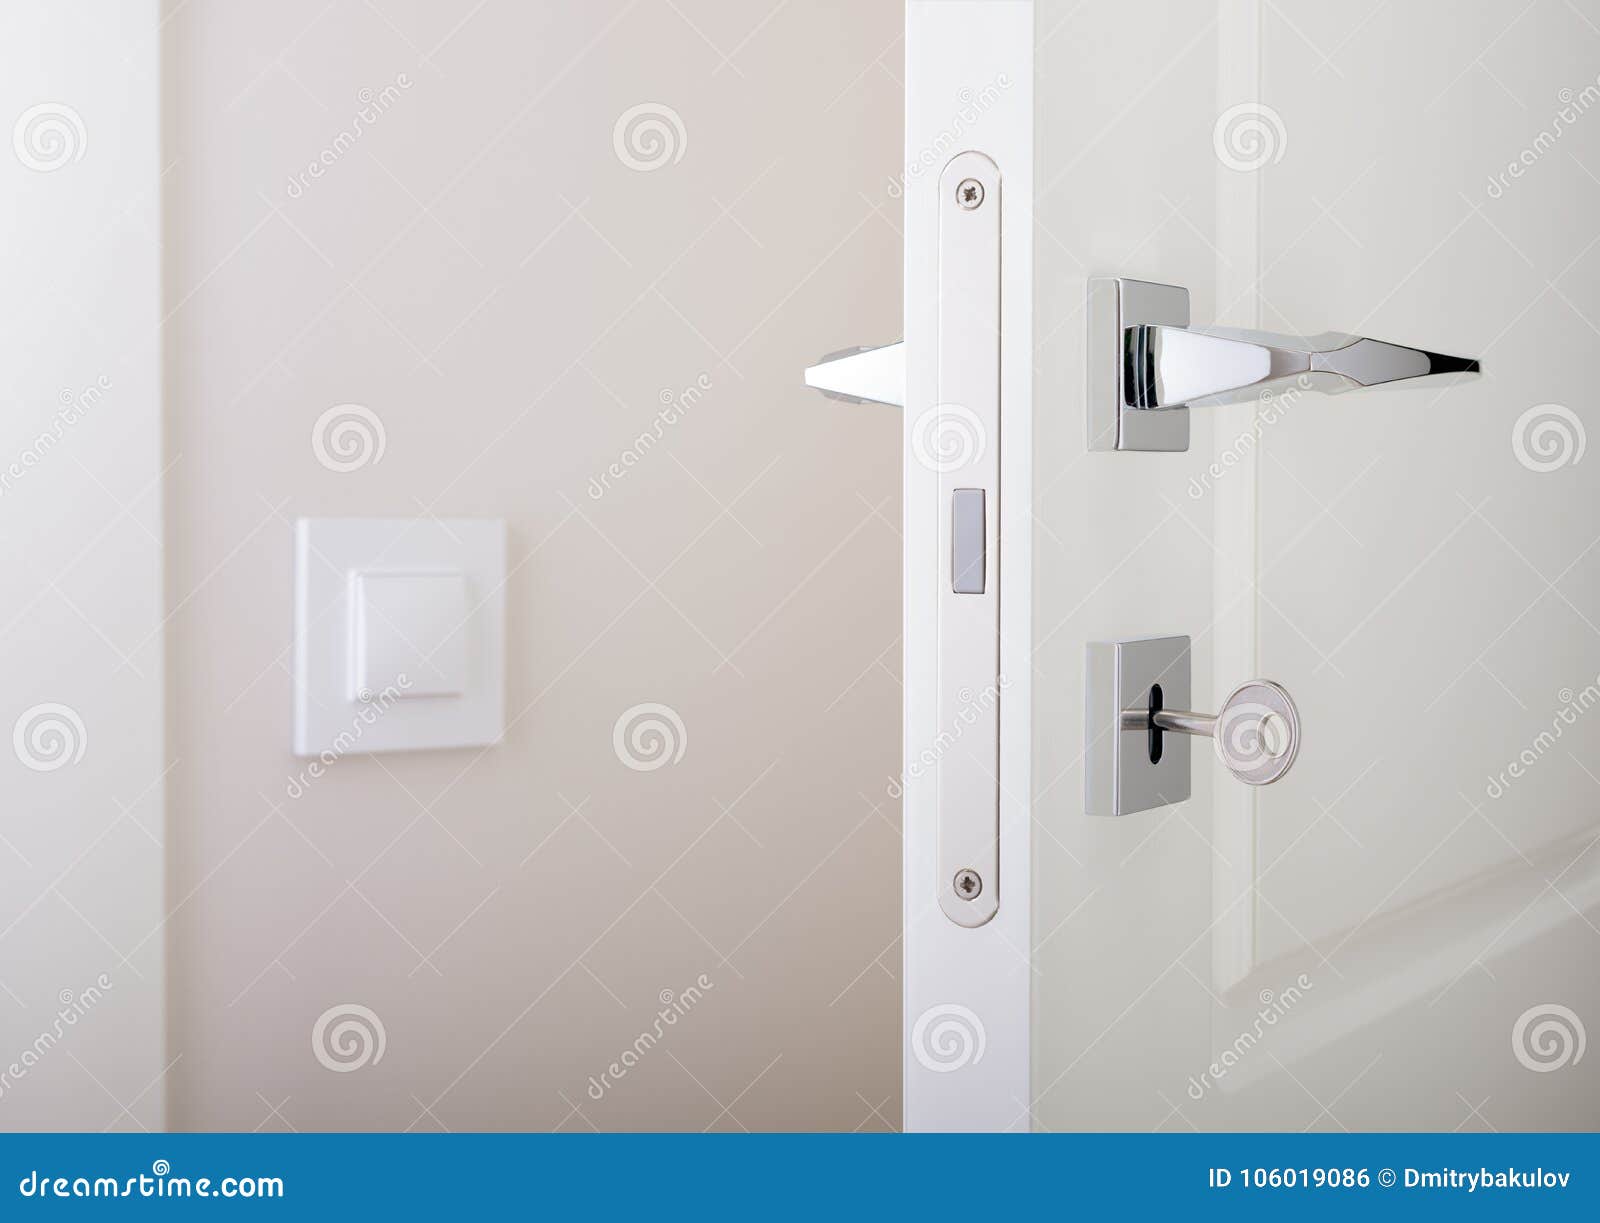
x,y
862,375
1138,728
1147,366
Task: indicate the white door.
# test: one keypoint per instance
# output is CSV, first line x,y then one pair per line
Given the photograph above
x,y
1402,931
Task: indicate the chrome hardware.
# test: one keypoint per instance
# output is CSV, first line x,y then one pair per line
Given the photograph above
x,y
863,375
1147,366
1139,727
1256,733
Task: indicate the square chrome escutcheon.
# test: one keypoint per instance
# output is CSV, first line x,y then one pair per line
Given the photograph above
x,y
1119,775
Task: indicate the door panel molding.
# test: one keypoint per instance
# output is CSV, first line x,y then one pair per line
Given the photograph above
x,y
1417,953
1235,502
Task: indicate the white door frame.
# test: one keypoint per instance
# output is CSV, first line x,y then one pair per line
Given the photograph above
x,y
82,474
966,1020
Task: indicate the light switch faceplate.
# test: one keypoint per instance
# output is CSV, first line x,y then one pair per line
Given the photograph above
x,y
399,634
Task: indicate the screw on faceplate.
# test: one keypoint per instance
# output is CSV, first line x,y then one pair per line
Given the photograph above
x,y
968,884
969,194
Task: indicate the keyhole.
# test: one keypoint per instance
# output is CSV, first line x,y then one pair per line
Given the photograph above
x,y
1155,734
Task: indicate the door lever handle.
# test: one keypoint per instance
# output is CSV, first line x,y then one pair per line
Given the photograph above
x,y
862,375
1147,366
1167,367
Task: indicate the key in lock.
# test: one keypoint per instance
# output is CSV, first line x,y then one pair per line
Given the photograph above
x,y
1256,733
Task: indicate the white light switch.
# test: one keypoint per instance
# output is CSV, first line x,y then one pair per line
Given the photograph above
x,y
410,634
399,634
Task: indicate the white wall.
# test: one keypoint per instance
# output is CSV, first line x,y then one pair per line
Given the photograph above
x,y
81,641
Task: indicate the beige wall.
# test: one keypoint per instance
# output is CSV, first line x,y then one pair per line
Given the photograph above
x,y
482,271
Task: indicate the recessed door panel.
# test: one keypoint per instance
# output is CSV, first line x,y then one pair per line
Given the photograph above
x,y
1400,927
